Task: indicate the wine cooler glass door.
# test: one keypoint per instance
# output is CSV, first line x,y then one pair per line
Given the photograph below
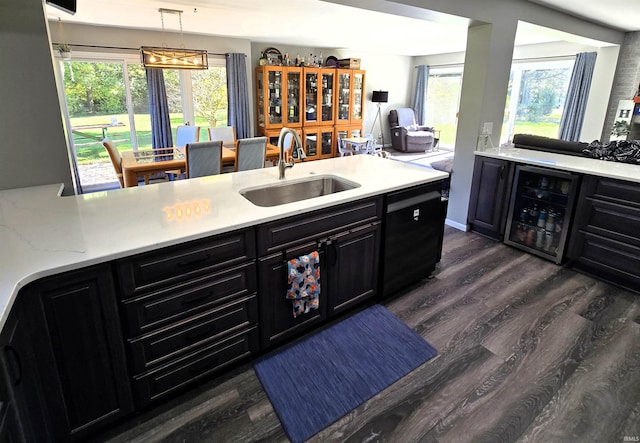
x,y
540,210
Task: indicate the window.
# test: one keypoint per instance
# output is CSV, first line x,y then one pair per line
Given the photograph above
x,y
106,95
443,101
536,97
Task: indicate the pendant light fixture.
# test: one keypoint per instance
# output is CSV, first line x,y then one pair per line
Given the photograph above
x,y
173,58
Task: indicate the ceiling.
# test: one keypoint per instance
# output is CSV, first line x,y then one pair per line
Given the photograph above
x,y
316,23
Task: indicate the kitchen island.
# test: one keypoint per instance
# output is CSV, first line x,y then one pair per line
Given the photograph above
x,y
135,293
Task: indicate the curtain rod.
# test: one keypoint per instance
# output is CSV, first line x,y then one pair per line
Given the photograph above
x,y
121,48
551,57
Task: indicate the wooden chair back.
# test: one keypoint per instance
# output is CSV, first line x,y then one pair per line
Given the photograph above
x,y
116,159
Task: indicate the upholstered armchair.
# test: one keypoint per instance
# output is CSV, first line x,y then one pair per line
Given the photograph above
x,y
407,135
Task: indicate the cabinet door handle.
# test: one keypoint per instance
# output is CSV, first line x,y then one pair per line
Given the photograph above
x,y
502,172
183,264
15,368
332,253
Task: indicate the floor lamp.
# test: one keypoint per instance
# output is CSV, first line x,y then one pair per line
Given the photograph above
x,y
379,97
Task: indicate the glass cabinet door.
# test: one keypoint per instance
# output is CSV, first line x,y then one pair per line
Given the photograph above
x,y
310,143
294,84
358,97
311,96
326,142
327,96
260,94
344,96
274,96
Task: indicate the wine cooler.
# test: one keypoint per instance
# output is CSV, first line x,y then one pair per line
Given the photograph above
x,y
540,211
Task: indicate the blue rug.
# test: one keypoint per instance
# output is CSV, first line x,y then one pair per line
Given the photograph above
x,y
316,381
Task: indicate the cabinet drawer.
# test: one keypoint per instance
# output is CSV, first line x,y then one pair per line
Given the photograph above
x,y
213,358
282,234
184,337
183,300
608,259
612,220
623,192
181,262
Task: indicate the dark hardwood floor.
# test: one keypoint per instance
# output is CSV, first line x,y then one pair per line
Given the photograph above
x,y
528,352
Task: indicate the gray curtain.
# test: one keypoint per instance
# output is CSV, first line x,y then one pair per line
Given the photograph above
x,y
420,98
238,95
576,102
158,109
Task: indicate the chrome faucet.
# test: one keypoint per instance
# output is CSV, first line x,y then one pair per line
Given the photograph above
x,y
295,143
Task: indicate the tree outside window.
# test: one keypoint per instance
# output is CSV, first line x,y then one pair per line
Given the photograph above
x,y
210,95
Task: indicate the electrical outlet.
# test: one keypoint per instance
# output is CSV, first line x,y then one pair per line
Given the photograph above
x,y
487,128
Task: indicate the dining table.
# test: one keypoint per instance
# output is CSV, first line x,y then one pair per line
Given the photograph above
x,y
149,161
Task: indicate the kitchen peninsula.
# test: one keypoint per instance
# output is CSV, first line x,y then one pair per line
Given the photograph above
x,y
136,293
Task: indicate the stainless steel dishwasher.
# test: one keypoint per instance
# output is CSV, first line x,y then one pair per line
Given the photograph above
x,y
413,231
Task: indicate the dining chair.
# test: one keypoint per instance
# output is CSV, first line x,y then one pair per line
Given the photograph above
x,y
225,133
250,153
184,134
116,158
370,147
343,147
187,134
203,158
116,161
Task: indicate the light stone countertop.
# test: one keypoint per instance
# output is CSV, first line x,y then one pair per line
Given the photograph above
x,y
583,165
44,234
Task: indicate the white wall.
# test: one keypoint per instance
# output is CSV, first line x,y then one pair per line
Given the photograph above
x,y
387,73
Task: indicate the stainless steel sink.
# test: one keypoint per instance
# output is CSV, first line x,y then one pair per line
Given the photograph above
x,y
279,194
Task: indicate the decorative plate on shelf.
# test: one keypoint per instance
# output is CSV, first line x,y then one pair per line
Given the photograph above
x,y
273,56
331,62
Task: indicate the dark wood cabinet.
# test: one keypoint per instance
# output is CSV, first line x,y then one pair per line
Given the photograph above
x,y
347,237
189,311
77,338
353,259
85,348
489,196
22,414
605,239
277,322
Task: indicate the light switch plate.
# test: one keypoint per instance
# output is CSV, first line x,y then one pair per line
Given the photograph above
x,y
487,128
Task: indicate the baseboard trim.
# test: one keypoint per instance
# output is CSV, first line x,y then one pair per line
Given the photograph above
x,y
455,224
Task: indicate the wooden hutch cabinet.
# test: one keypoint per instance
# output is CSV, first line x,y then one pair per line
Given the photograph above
x,y
321,103
349,102
318,142
279,97
318,96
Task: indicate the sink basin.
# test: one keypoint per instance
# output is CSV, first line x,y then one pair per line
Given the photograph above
x,y
279,194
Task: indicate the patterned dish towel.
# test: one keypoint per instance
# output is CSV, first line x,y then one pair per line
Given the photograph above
x,y
303,280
